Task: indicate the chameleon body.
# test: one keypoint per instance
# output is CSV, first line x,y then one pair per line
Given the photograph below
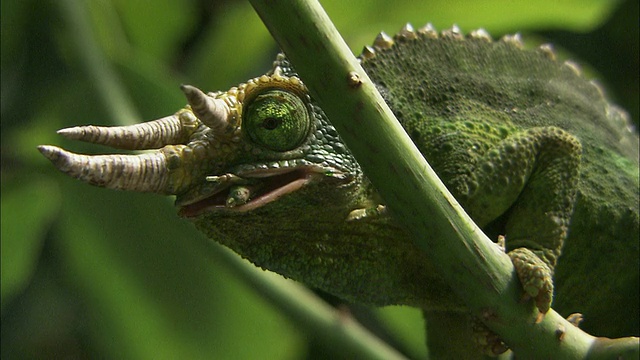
x,y
531,149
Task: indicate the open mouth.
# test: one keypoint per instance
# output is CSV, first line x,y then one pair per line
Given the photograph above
x,y
253,189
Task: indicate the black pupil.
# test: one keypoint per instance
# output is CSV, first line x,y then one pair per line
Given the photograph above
x,y
270,123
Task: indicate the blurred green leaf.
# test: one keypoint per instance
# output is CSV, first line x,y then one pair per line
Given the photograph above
x,y
133,272
407,324
153,28
28,210
152,292
366,18
239,38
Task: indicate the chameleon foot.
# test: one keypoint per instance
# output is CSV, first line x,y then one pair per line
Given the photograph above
x,y
367,213
575,319
488,342
535,277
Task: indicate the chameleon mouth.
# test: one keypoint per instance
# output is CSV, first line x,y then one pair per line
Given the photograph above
x,y
253,189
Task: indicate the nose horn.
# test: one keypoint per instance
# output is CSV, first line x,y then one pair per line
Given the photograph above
x,y
148,135
142,172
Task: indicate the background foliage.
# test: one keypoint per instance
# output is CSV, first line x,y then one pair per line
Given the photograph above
x,y
90,273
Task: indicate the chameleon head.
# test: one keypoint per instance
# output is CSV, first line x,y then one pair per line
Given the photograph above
x,y
232,151
260,169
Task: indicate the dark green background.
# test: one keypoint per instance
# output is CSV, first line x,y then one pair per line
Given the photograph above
x,y
89,272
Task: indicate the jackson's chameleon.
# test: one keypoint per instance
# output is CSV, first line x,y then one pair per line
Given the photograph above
x,y
531,149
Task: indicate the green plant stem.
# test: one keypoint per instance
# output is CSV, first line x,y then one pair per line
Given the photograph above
x,y
480,273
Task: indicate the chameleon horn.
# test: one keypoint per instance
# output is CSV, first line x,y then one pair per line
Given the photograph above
x,y
148,135
143,172
211,111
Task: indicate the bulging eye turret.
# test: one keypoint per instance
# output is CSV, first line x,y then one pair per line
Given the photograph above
x,y
277,120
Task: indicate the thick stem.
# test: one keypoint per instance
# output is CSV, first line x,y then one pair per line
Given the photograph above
x,y
475,268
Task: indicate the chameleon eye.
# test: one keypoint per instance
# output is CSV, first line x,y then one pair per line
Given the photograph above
x,y
277,120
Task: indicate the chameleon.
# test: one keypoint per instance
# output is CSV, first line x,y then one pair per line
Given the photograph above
x,y
533,151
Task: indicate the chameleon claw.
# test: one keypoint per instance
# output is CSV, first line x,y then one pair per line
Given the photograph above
x,y
487,342
535,277
575,319
367,213
502,243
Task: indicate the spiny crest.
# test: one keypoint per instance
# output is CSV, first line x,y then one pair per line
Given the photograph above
x,y
453,33
547,50
407,33
383,42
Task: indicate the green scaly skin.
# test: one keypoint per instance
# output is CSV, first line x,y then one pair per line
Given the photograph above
x,y
531,149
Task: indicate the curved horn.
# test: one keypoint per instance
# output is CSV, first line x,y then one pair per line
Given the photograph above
x,y
211,111
148,135
143,173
